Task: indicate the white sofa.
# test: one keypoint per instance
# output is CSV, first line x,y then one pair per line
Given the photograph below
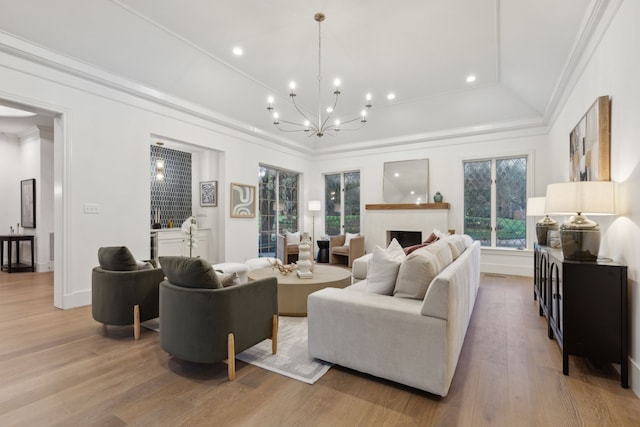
x,y
409,341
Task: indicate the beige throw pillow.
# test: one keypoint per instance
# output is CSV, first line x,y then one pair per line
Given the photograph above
x,y
415,274
382,272
442,251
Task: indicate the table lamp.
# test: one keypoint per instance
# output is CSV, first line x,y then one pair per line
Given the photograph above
x,y
580,236
535,207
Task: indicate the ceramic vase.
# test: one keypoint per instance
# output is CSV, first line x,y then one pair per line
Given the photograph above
x,y
305,258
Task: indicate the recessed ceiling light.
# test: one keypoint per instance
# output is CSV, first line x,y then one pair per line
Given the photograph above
x,y
14,112
471,78
237,51
391,96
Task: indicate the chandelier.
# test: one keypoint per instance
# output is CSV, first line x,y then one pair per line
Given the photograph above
x,y
323,125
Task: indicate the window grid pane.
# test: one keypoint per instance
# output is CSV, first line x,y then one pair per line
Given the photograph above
x,y
332,203
477,201
511,201
352,202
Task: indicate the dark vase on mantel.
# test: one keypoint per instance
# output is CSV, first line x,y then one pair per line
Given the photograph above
x,y
437,197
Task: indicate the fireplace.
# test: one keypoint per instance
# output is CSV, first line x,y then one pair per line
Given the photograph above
x,y
405,238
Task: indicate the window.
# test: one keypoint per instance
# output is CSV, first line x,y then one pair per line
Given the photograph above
x,y
278,207
342,203
495,197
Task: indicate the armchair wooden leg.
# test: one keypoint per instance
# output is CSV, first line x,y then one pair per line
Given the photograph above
x,y
231,355
136,322
274,335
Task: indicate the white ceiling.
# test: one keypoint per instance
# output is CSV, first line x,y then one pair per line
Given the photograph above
x,y
422,50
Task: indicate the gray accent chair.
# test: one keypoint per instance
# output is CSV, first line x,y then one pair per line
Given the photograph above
x,y
203,322
123,290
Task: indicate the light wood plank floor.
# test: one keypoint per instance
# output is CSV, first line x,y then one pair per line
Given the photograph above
x,y
60,368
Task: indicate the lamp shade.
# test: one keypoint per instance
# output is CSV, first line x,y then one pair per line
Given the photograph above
x,y
585,197
535,206
314,205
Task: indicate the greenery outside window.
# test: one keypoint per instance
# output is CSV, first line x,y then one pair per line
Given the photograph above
x,y
278,207
342,203
495,198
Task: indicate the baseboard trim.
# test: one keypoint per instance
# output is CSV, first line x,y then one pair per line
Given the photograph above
x,y
634,376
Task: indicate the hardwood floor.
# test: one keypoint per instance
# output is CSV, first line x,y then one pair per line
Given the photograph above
x,y
60,367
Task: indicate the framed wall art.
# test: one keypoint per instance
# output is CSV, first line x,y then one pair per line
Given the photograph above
x,y
243,201
209,193
589,148
28,203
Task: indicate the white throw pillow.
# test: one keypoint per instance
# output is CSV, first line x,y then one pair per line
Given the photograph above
x,y
382,272
348,238
439,233
228,279
293,238
395,251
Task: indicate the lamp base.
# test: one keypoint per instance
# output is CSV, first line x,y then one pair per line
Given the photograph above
x,y
580,244
542,230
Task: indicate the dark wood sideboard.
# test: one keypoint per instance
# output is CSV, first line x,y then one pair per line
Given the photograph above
x,y
585,304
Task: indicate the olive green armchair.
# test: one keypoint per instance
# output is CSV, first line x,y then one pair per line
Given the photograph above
x,y
203,322
124,291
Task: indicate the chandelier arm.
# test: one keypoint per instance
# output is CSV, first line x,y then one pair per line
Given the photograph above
x,y
335,103
293,99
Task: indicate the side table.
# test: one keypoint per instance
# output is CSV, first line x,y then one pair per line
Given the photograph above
x,y
323,251
17,266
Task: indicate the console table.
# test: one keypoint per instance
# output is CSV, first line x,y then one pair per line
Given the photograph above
x,y
585,304
17,266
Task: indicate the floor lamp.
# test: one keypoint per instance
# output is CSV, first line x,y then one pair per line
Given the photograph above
x,y
314,206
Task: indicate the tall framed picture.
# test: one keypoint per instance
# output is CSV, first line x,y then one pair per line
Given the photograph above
x,y
590,148
243,201
28,203
209,193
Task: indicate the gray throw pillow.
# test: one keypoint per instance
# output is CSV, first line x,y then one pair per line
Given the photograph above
x,y
116,258
189,272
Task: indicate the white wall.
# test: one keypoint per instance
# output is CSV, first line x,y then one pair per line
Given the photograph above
x,y
9,182
26,156
445,175
102,157
613,70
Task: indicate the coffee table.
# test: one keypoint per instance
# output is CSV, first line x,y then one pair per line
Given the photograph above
x,y
293,291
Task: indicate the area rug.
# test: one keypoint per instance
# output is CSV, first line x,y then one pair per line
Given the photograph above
x,y
292,359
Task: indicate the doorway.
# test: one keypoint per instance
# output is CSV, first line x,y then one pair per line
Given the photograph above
x,y
29,147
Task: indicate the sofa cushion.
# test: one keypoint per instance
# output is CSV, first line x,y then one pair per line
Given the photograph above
x,y
382,272
442,251
348,237
415,275
190,272
116,258
293,238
